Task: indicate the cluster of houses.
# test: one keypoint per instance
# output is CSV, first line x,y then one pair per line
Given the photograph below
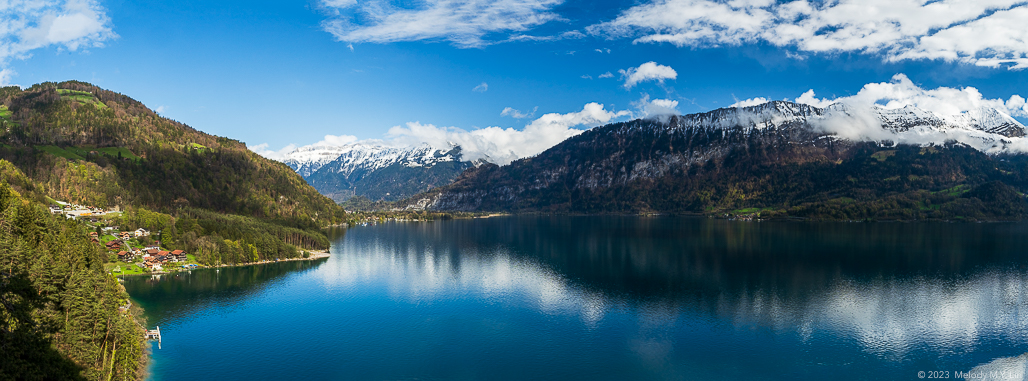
x,y
152,256
155,259
72,211
122,237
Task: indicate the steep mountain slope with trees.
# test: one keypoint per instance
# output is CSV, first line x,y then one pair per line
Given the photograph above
x,y
770,160
61,313
79,143
62,316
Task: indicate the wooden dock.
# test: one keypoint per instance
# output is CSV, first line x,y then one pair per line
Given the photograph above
x,y
154,334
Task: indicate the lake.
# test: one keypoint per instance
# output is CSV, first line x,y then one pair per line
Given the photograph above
x,y
605,298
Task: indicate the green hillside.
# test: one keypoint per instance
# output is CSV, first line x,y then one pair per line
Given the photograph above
x,y
79,143
62,316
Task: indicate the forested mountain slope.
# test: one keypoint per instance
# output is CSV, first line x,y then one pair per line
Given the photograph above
x,y
60,311
776,160
78,143
94,146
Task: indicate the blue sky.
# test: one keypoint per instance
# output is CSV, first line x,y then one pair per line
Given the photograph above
x,y
281,73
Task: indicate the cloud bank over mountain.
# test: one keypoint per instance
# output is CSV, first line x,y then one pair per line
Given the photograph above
x,y
860,116
860,121
902,92
494,144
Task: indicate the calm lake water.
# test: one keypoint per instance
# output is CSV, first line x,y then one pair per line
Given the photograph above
x,y
605,298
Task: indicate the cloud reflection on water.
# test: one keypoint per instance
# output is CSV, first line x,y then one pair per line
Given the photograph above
x,y
880,299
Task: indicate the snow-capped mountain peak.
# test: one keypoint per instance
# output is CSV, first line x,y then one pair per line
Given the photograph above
x,y
307,160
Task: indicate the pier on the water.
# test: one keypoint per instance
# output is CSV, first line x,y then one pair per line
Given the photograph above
x,y
154,334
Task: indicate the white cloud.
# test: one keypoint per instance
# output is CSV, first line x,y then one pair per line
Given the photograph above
x,y
750,102
808,98
27,25
329,141
981,32
263,150
901,92
518,114
656,108
336,140
604,50
650,71
481,88
5,76
569,35
465,23
587,76
495,144
607,75
859,123
504,145
160,109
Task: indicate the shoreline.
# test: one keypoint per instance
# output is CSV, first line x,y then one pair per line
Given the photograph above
x,y
315,254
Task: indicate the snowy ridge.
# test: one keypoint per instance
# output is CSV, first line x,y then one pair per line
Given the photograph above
x,y
768,115
307,160
983,122
373,157
984,128
346,159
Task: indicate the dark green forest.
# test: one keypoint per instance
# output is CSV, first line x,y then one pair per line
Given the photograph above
x,y
61,314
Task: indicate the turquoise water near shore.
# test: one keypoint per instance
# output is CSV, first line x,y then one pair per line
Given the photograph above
x,y
614,298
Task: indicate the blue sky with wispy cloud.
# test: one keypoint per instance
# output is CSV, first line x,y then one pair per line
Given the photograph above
x,y
519,72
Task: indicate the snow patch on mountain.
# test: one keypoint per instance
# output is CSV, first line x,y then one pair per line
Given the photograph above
x,y
348,158
987,129
307,160
370,157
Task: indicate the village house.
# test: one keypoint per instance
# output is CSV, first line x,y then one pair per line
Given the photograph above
x,y
180,255
125,256
114,244
153,265
125,235
142,232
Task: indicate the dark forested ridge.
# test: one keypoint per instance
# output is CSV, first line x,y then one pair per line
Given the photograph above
x,y
102,148
75,142
62,316
781,171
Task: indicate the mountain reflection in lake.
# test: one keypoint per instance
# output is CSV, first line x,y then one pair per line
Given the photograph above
x,y
624,298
